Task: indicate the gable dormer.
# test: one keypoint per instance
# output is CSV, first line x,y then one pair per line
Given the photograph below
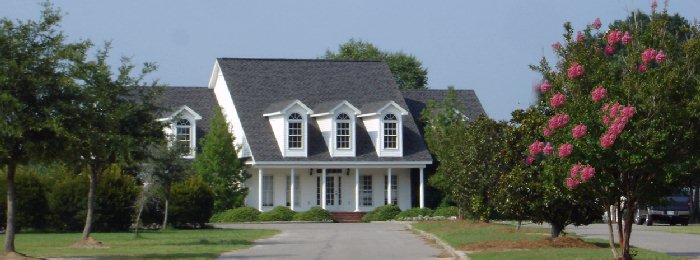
x,y
289,122
182,129
384,123
336,121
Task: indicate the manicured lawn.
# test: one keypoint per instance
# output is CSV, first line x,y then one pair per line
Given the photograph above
x,y
690,229
502,241
170,244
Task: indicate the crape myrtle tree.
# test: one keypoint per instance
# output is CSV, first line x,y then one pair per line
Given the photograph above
x,y
218,165
470,156
618,103
408,71
529,191
168,167
35,89
114,122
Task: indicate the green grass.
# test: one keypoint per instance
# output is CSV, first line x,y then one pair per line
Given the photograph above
x,y
458,234
690,229
169,244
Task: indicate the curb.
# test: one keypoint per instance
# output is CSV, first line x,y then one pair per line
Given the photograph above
x,y
461,254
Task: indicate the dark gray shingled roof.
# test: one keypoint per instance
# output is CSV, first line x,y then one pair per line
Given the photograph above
x,y
417,100
255,84
199,99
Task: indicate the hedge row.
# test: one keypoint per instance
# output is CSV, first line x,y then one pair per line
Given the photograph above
x,y
55,199
279,213
393,212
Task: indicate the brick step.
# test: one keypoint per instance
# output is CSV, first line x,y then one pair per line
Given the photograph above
x,y
345,217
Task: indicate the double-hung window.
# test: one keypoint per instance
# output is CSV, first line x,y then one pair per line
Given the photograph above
x,y
268,191
295,131
366,190
183,134
342,132
390,132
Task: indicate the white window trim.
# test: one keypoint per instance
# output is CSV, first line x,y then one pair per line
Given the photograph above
x,y
302,122
350,135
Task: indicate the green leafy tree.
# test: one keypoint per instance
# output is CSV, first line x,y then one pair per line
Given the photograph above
x,y
631,88
219,166
469,154
114,122
408,71
35,87
165,168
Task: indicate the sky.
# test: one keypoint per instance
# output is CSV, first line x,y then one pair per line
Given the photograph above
x,y
481,45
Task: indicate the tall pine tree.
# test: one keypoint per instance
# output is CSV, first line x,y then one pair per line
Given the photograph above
x,y
219,166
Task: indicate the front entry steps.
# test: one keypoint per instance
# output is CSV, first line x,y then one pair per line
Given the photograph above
x,y
348,217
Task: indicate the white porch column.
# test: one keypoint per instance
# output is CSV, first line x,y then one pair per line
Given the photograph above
x,y
388,187
260,188
357,189
291,191
421,190
323,189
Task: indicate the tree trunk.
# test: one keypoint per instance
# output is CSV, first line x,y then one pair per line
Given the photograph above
x,y
90,203
11,209
695,213
620,228
612,234
556,229
138,218
520,223
167,203
628,220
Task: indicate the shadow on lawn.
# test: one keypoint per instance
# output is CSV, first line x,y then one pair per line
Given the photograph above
x,y
167,256
213,242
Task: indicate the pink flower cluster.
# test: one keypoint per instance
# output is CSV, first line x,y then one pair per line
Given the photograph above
x,y
609,50
585,174
649,55
565,150
558,121
575,70
548,149
536,147
546,86
596,24
529,160
620,116
557,100
579,131
556,45
547,132
627,38
598,93
653,5
614,37
579,36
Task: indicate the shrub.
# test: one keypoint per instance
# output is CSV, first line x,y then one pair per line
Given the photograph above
x,y
447,212
31,202
314,214
67,199
414,212
382,213
191,202
279,213
242,214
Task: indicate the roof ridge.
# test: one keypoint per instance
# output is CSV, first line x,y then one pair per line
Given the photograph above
x,y
186,87
296,59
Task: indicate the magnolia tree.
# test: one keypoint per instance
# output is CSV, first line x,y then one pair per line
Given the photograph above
x,y
618,126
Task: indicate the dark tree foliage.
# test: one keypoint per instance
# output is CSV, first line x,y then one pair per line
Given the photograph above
x,y
408,71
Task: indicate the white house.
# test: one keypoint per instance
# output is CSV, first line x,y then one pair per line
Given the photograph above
x,y
335,134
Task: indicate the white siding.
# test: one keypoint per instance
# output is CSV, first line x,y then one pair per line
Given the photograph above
x,y
278,127
223,97
307,187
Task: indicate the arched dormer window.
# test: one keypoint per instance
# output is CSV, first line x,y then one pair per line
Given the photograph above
x,y
183,133
295,131
390,131
342,131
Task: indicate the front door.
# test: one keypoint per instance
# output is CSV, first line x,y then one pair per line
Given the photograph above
x,y
334,195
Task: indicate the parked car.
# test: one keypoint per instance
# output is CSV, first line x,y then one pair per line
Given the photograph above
x,y
675,210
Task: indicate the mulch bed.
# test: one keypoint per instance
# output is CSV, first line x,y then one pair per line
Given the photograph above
x,y
495,246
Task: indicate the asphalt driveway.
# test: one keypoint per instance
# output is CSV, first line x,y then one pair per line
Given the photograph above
x,y
335,241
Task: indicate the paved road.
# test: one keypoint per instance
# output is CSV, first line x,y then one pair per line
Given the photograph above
x,y
675,244
335,241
